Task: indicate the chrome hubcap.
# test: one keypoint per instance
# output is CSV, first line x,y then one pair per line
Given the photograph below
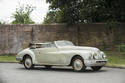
x,y
78,64
28,62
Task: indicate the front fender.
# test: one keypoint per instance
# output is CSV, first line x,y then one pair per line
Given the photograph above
x,y
71,54
85,55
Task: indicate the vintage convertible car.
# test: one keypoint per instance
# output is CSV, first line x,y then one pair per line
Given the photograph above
x,y
62,53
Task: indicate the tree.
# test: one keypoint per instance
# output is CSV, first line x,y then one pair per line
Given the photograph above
x,y
50,18
81,11
53,17
22,15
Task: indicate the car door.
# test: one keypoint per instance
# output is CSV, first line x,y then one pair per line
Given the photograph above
x,y
50,55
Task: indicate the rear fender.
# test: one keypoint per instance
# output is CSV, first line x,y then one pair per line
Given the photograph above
x,y
31,54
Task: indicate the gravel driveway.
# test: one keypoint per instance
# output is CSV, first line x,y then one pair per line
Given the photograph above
x,y
16,73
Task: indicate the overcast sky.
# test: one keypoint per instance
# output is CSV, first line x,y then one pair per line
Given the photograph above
x,y
8,7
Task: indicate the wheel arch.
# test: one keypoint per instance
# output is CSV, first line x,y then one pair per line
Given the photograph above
x,y
73,58
26,55
31,56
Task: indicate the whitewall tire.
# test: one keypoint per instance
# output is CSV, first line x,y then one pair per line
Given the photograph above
x,y
78,64
28,64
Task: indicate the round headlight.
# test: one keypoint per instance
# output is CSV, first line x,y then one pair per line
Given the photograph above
x,y
103,55
95,56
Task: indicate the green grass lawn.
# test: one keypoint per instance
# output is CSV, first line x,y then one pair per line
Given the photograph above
x,y
8,58
114,58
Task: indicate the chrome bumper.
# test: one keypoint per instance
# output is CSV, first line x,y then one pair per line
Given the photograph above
x,y
95,62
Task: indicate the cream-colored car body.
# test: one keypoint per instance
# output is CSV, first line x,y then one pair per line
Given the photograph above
x,y
63,55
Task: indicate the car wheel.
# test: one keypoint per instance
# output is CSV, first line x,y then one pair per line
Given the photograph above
x,y
48,66
28,63
96,68
78,64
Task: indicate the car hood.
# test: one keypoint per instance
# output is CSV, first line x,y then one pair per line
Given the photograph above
x,y
80,48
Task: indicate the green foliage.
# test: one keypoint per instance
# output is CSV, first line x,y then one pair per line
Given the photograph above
x,y
50,18
22,15
53,17
122,48
82,11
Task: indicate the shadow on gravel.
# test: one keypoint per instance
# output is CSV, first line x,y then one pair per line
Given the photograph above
x,y
63,70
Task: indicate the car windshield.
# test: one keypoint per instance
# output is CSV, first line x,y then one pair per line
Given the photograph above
x,y
64,43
